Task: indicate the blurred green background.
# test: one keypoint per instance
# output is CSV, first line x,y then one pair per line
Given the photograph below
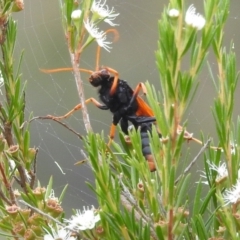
x,y
41,36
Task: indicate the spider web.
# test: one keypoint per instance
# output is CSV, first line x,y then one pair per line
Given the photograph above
x,y
40,33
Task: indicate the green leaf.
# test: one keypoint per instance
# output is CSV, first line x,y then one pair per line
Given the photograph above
x,y
200,227
159,233
197,200
63,193
192,38
26,143
181,191
6,7
171,185
49,188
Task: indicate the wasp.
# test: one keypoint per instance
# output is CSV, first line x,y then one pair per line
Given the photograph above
x,y
122,101
119,98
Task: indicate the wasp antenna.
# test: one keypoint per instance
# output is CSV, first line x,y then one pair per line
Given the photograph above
x,y
98,57
115,32
116,37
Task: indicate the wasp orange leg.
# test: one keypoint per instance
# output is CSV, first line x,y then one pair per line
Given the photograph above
x,y
78,107
139,87
112,134
65,70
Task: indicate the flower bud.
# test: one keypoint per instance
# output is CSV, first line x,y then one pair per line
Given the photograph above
x,y
19,229
37,229
32,154
76,15
25,213
140,191
35,219
100,231
30,235
53,206
173,13
12,210
39,193
14,151
18,5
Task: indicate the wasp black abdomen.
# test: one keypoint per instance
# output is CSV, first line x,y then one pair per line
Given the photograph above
x,y
146,150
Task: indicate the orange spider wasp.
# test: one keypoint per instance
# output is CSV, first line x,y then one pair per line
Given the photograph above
x,y
118,97
124,103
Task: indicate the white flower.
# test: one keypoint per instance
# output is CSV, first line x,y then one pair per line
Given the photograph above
x,y
83,221
100,36
194,19
173,13
221,170
76,14
108,15
60,233
233,195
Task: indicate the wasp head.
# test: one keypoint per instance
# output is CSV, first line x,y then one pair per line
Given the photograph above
x,y
99,77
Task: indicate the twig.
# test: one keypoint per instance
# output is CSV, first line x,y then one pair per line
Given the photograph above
x,y
4,198
23,177
33,173
187,169
47,216
7,185
42,213
63,124
80,90
129,202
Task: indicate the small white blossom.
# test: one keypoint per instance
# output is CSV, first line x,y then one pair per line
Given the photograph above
x,y
100,36
103,12
76,14
60,233
83,220
221,170
233,195
194,19
174,13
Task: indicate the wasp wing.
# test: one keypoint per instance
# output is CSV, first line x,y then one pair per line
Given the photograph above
x,y
143,108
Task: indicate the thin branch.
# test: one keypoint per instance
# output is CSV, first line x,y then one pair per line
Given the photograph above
x,y
7,185
129,202
137,215
63,124
187,169
4,198
80,90
33,173
48,216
